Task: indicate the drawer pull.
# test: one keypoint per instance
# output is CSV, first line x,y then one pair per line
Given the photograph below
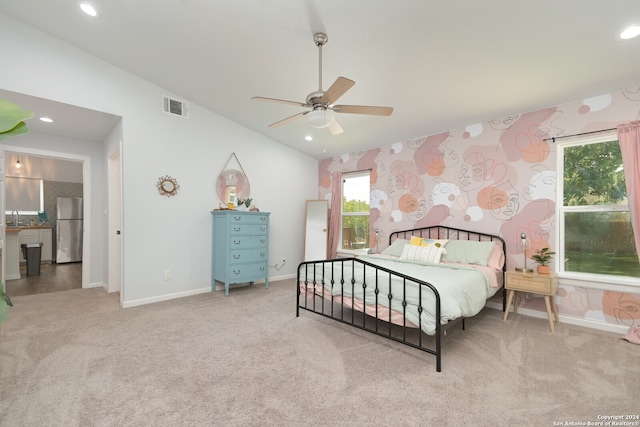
x,y
236,272
262,228
236,229
262,218
237,218
236,256
261,268
262,254
262,240
237,242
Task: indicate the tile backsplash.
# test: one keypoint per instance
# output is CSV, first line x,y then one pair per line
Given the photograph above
x,y
55,189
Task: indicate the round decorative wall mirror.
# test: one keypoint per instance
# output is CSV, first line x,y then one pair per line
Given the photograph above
x,y
167,186
232,183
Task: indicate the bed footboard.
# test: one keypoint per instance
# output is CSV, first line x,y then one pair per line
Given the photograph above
x,y
326,288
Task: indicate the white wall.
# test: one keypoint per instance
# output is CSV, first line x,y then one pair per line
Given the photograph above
x,y
161,233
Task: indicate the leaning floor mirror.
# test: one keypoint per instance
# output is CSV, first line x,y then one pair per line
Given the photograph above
x,y
316,230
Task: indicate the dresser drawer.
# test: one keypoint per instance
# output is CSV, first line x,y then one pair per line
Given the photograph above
x,y
245,242
237,218
248,229
241,273
247,255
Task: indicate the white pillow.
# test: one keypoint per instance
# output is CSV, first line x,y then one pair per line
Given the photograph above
x,y
428,254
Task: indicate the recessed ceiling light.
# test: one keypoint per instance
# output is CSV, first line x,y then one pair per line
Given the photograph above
x,y
630,32
46,119
308,138
89,9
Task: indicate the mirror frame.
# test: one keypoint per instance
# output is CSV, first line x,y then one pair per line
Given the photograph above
x,y
167,186
232,183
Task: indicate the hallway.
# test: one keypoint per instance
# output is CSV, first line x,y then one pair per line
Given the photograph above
x,y
52,278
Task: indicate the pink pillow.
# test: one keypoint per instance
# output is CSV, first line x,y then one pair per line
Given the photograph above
x,y
496,258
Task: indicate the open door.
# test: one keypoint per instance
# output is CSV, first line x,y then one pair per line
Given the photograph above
x,y
114,272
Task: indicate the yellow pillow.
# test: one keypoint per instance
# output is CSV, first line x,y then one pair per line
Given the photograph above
x,y
424,241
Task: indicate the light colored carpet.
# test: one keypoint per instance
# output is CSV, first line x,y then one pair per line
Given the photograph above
x,y
75,358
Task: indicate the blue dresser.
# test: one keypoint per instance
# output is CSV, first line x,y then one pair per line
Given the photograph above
x,y
240,248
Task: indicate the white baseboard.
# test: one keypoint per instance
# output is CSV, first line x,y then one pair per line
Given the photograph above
x,y
96,285
219,287
143,301
283,277
587,323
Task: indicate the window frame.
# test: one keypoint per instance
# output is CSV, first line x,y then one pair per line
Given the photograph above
x,y
345,176
591,280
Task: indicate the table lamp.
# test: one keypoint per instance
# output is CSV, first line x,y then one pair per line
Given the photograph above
x,y
524,241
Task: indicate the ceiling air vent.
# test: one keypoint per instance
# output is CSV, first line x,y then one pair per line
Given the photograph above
x,y
175,106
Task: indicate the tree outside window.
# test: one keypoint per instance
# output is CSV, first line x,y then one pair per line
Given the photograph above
x,y
355,210
595,233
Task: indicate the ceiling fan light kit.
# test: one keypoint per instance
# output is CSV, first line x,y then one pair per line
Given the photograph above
x,y
321,103
320,118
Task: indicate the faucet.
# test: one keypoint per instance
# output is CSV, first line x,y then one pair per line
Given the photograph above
x,y
17,217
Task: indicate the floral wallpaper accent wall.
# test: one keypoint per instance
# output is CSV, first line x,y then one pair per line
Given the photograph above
x,y
497,176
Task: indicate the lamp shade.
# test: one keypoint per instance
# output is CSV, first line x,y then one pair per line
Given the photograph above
x,y
320,118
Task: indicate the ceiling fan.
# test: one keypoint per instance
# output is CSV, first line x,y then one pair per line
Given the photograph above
x,y
321,103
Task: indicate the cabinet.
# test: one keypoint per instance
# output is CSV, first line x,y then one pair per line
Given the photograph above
x,y
240,248
10,252
541,284
37,235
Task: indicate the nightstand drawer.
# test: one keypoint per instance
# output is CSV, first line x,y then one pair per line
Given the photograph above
x,y
536,283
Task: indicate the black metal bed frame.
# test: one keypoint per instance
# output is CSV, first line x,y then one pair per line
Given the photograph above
x,y
312,279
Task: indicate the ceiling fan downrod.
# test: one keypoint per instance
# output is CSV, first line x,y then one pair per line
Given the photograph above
x,y
320,39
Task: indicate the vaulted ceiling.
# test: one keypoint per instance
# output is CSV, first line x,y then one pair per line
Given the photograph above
x,y
440,64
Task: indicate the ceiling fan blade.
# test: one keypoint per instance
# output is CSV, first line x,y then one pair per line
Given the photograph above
x,y
363,109
281,101
335,128
337,89
287,120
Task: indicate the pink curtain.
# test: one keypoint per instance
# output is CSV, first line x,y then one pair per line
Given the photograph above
x,y
335,214
629,137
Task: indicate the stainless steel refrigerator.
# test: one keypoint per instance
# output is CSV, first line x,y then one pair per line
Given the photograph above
x,y
69,229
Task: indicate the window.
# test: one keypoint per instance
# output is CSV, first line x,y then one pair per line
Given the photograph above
x,y
595,234
24,195
355,210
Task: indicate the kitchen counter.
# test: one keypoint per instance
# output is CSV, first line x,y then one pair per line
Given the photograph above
x,y
12,254
27,227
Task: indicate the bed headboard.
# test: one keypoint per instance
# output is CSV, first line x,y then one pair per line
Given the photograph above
x,y
442,232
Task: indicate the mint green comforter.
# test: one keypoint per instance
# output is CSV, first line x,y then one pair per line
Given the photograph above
x,y
463,289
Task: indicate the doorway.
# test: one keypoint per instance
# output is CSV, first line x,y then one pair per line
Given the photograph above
x,y
76,134
61,175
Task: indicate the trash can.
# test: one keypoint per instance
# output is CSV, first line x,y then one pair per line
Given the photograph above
x,y
32,253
